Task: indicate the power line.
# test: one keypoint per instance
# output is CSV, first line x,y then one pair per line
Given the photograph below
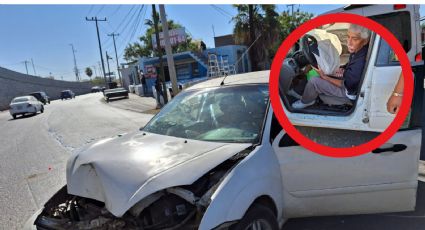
x,y
91,8
119,7
133,22
135,26
144,16
129,12
100,10
121,23
221,11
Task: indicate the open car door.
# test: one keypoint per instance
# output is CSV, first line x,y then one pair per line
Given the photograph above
x,y
315,185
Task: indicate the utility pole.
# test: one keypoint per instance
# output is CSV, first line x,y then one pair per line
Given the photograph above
x,y
116,55
77,77
168,51
159,50
292,15
100,46
213,30
252,37
107,61
35,73
26,67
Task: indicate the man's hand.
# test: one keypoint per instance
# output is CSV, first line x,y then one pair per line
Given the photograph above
x,y
393,104
320,72
339,72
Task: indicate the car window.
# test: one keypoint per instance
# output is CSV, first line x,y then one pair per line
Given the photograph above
x,y
21,99
398,24
386,55
224,114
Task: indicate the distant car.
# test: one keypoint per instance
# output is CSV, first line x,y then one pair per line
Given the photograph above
x,y
24,105
95,89
65,94
41,96
114,93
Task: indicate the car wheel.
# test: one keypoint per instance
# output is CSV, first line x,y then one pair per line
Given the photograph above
x,y
258,217
14,116
42,109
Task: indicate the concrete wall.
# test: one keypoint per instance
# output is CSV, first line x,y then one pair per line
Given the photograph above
x,y
13,84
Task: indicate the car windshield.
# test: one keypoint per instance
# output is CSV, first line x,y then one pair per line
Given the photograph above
x,y
223,114
20,99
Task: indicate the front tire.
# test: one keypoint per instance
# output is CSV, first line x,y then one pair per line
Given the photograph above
x,y
258,217
42,109
14,116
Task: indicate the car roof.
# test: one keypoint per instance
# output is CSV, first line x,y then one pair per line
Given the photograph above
x,y
27,97
38,92
260,77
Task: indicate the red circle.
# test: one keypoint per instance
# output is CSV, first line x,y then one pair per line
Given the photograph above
x,y
323,149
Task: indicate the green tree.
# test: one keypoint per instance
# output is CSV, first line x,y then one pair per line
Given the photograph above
x,y
289,22
88,72
257,25
143,48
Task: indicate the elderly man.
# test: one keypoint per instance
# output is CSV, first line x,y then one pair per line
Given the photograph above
x,y
350,74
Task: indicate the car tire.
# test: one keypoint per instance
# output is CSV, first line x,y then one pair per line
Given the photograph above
x,y
42,109
14,116
257,217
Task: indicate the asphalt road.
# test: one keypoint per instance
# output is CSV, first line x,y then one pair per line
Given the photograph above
x,y
34,150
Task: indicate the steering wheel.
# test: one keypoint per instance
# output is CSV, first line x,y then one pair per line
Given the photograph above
x,y
308,46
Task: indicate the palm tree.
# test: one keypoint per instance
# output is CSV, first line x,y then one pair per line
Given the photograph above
x,y
89,72
257,25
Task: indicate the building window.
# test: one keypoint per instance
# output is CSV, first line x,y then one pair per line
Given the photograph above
x,y
195,69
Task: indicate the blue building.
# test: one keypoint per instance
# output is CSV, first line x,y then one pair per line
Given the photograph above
x,y
193,66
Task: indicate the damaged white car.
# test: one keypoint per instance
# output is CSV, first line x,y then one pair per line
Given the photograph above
x,y
180,170
215,157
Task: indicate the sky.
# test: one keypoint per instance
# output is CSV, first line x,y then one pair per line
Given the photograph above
x,y
43,33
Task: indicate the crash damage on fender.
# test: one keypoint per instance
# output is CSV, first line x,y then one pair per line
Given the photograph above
x,y
140,181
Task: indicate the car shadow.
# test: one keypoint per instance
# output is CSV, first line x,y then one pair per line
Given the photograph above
x,y
23,116
389,221
116,99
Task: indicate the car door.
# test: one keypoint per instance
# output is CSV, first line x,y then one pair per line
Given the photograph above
x,y
315,185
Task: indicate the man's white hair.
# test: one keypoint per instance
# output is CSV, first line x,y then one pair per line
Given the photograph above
x,y
364,33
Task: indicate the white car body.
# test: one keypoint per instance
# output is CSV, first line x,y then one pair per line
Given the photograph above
x,y
24,105
287,178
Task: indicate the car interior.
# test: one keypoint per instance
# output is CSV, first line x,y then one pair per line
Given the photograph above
x,y
293,75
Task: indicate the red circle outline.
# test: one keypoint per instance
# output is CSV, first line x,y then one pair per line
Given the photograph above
x,y
323,149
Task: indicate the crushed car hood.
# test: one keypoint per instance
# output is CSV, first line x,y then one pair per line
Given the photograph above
x,y
121,171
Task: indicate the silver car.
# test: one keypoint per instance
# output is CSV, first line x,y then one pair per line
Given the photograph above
x,y
24,105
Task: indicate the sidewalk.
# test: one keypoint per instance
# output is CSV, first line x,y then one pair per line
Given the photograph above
x,y
136,103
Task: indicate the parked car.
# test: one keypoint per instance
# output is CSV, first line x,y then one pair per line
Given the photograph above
x,y
24,105
115,93
41,96
95,89
65,94
215,157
